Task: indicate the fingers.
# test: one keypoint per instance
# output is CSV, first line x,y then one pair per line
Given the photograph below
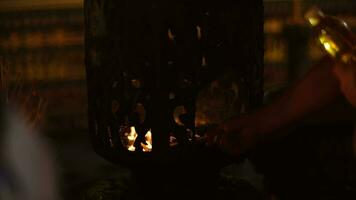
x,y
215,136
227,141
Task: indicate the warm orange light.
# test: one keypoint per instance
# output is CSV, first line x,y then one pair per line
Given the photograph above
x,y
148,139
131,137
313,16
329,45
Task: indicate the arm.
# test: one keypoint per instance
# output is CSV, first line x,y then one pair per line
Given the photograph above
x,y
318,88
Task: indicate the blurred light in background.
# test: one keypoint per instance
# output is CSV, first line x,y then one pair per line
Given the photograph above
x,y
289,50
42,44
42,41
38,4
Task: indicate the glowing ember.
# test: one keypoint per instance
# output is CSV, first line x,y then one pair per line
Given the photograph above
x,y
148,139
131,137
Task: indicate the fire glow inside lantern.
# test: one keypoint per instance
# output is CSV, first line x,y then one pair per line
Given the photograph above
x,y
161,74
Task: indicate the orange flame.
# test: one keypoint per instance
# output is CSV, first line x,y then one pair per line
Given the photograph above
x,y
131,137
148,138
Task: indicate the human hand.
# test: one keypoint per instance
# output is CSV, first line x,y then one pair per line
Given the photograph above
x,y
237,135
346,74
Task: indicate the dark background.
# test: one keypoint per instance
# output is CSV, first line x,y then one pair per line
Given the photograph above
x,y
43,46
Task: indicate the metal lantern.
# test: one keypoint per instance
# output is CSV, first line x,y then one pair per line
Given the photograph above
x,y
161,73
